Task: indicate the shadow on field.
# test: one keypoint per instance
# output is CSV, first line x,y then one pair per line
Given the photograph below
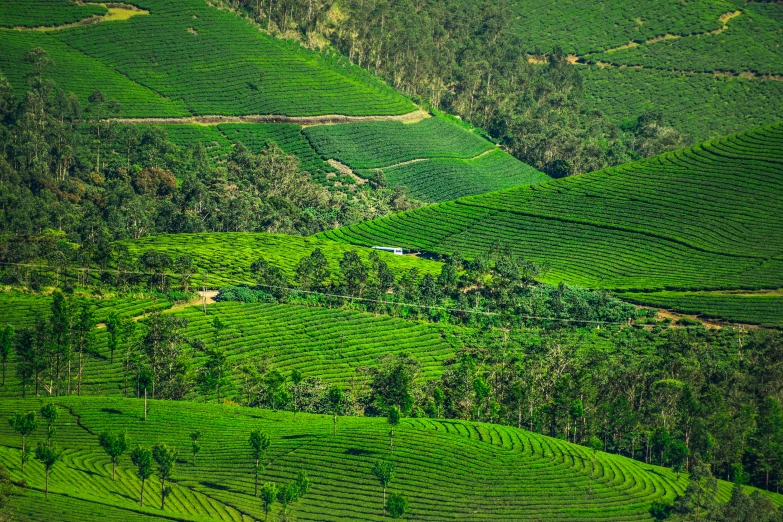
x,y
213,485
358,452
111,410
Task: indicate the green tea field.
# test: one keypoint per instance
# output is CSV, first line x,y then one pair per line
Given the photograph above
x,y
448,470
699,218
175,76
224,258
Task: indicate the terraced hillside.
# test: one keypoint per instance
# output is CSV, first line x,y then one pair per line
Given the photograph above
x,y
713,67
224,258
447,470
436,158
167,61
705,217
762,308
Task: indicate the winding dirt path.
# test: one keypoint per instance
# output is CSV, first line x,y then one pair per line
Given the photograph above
x,y
304,121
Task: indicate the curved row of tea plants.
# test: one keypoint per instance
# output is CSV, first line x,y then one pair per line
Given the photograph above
x,y
51,13
760,308
447,470
224,258
751,42
444,179
382,144
705,217
219,64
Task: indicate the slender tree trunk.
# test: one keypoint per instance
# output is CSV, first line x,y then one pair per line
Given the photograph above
x,y
141,498
47,483
334,429
145,403
391,441
384,500
113,469
79,377
24,437
256,493
162,494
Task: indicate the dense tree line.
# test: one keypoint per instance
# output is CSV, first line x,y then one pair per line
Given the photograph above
x,y
467,59
71,182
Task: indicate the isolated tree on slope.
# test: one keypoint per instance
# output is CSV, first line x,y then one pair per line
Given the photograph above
x,y
6,341
292,492
115,445
49,413
393,418
24,425
384,472
165,457
259,443
142,459
48,456
195,445
335,397
268,497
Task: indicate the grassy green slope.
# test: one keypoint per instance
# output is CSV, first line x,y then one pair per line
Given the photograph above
x,y
437,159
219,64
677,75
207,60
762,309
225,257
704,217
81,74
448,470
56,12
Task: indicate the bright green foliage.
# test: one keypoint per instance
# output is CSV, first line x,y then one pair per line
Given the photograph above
x,y
48,456
268,496
493,471
142,459
80,74
24,425
761,308
750,42
259,443
444,179
381,144
288,137
115,445
49,414
165,457
622,227
257,73
21,309
27,13
582,28
383,471
396,505
701,106
224,258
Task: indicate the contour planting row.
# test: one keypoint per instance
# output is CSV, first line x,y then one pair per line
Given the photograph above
x,y
28,13
701,106
136,100
705,217
449,470
760,308
382,144
579,28
445,179
22,310
750,42
180,47
224,258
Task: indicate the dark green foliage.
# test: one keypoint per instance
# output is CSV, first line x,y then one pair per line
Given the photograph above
x,y
115,444
269,493
165,457
142,459
49,414
259,444
24,425
396,505
383,471
48,456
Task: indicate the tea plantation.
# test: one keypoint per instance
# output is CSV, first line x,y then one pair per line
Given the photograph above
x,y
224,258
437,159
448,470
764,309
258,74
55,12
699,218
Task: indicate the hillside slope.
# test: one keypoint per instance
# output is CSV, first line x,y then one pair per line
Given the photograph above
x,y
705,217
447,470
186,57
